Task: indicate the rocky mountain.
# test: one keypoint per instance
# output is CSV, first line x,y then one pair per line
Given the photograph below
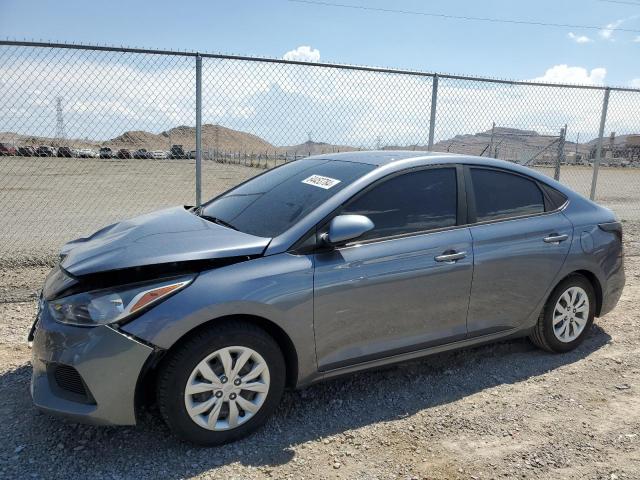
x,y
510,143
213,137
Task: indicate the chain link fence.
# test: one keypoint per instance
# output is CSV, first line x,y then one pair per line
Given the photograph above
x,y
91,135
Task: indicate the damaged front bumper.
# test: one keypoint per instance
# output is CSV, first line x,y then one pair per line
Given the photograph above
x,y
86,374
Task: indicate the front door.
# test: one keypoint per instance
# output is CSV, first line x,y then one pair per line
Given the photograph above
x,y
405,285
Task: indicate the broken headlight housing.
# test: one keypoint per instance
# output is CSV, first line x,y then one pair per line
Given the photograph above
x,y
101,307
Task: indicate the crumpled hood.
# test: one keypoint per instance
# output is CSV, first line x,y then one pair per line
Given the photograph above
x,y
165,236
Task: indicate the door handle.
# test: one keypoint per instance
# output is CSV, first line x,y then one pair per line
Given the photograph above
x,y
450,257
555,238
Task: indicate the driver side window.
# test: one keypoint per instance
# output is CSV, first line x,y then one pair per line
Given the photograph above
x,y
409,203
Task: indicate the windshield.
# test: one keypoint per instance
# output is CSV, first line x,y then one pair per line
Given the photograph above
x,y
273,202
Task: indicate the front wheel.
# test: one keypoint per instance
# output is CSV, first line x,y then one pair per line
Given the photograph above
x,y
221,384
567,315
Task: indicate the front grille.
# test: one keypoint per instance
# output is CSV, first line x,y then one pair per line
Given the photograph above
x,y
70,380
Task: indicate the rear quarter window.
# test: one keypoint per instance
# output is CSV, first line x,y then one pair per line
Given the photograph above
x,y
500,195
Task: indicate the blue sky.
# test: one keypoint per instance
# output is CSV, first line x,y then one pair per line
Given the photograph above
x,y
273,27
106,93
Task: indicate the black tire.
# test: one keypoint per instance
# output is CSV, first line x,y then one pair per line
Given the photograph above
x,y
542,334
177,367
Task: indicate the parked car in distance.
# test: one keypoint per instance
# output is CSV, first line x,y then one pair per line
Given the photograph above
x,y
87,153
6,149
323,266
192,154
45,151
124,153
27,151
105,152
66,152
177,152
141,153
158,154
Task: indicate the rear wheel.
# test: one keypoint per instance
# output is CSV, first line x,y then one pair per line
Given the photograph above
x,y
567,315
222,384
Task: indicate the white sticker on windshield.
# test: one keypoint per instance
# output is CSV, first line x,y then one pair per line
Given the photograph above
x,y
320,181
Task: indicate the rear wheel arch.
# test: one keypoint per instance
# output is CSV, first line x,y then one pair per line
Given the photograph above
x,y
545,333
595,283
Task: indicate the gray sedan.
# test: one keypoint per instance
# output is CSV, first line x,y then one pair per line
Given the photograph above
x,y
321,267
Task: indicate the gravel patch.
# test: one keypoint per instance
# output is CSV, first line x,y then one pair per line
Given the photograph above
x,y
505,410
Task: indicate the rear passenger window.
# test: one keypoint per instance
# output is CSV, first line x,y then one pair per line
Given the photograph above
x,y
412,202
504,195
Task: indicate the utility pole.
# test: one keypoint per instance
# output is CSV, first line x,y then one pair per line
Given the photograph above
x,y
60,130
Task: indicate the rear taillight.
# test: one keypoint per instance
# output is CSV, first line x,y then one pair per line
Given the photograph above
x,y
613,227
616,229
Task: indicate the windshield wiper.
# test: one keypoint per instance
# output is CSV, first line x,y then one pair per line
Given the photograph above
x,y
219,221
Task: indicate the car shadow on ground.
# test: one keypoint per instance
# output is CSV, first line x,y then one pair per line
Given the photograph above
x,y
316,412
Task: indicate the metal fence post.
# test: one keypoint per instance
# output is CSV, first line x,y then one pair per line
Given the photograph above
x,y
560,155
493,130
596,163
198,130
432,118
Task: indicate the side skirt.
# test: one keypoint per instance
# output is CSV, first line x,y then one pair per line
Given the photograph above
x,y
469,342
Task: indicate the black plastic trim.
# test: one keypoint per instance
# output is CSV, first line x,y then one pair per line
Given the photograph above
x,y
55,381
133,275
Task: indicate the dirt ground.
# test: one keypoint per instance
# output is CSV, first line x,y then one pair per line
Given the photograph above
x,y
45,202
500,411
505,410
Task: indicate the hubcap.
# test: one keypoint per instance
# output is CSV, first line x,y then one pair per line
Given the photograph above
x,y
227,388
570,314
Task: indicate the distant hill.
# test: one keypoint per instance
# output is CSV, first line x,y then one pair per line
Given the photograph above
x,y
315,148
213,137
17,139
618,140
512,143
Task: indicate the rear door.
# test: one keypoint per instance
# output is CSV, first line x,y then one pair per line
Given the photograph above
x,y
520,241
404,285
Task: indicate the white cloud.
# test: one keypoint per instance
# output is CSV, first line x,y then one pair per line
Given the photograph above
x,y
607,31
635,83
304,53
105,95
637,39
576,75
579,38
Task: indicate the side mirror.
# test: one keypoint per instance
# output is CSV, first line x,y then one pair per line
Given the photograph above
x,y
347,227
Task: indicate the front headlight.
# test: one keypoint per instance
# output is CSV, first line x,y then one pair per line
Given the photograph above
x,y
110,305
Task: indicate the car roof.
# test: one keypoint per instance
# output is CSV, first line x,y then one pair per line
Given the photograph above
x,y
392,159
379,157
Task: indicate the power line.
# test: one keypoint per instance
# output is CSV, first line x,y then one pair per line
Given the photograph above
x,y
462,17
622,2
